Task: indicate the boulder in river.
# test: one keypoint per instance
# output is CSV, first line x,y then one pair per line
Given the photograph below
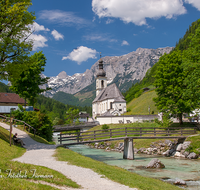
x,y
179,182
155,163
192,156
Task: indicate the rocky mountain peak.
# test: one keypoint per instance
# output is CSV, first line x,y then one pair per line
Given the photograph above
x,y
62,75
122,70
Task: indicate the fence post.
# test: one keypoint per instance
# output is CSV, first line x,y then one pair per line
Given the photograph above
x,y
110,133
195,130
181,132
34,133
60,138
78,135
168,131
140,131
94,135
29,129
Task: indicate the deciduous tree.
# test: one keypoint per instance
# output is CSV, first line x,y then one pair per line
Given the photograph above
x,y
14,32
28,85
170,85
191,67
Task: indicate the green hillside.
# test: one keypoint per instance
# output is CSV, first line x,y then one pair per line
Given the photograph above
x,y
139,106
4,88
136,89
66,98
87,95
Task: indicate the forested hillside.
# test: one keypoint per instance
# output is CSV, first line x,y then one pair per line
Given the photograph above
x,y
149,79
56,108
4,88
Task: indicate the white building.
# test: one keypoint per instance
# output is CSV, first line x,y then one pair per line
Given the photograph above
x,y
109,100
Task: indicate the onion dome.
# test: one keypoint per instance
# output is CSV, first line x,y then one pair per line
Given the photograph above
x,y
101,72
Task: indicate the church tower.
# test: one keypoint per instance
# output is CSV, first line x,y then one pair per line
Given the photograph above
x,y
101,79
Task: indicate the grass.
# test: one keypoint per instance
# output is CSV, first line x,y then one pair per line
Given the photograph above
x,y
195,144
114,173
139,106
11,152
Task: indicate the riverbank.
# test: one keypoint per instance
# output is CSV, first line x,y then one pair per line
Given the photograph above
x,y
169,148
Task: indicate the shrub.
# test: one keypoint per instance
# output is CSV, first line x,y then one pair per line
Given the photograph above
x,y
128,110
105,127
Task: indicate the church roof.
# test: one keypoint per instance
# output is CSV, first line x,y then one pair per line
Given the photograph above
x,y
110,92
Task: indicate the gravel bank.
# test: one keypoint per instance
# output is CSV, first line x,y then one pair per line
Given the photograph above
x,y
41,154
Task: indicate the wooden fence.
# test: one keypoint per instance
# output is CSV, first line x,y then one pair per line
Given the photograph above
x,y
124,133
6,119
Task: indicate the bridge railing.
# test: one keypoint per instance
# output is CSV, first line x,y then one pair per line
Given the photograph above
x,y
6,119
125,132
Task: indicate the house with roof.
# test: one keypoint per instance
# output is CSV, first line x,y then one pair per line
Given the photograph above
x,y
11,100
109,100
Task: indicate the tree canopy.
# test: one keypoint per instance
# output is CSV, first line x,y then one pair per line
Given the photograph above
x,y
191,67
14,32
28,85
170,85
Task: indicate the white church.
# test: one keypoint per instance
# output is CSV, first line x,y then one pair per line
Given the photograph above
x,y
109,100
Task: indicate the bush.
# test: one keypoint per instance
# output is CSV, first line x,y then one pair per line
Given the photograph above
x,y
105,127
128,110
39,121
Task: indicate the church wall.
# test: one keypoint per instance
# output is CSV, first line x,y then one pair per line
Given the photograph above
x,y
121,106
132,118
99,86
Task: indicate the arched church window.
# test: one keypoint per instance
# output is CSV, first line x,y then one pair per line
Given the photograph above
x,y
102,84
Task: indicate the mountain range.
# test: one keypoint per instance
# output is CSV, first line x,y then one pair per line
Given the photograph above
x,y
123,70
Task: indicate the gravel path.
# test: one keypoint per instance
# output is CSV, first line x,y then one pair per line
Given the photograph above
x,y
42,154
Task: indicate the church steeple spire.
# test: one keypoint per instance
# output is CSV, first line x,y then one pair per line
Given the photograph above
x,y
101,80
101,72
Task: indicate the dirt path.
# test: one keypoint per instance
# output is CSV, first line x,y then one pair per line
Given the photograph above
x,y
42,154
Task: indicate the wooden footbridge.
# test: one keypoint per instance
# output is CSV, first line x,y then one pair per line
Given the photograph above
x,y
127,134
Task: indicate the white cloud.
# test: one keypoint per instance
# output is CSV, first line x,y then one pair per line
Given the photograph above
x,y
195,3
125,43
57,35
109,21
62,17
36,27
136,11
38,41
99,37
81,54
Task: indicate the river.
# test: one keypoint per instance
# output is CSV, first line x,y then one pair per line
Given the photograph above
x,y
175,168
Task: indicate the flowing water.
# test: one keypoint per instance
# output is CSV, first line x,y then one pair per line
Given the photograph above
x,y
175,168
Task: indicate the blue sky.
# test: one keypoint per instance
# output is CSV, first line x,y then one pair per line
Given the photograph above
x,y
72,33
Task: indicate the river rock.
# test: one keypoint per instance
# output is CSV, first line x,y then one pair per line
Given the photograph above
x,y
155,163
179,182
142,150
167,153
178,154
179,147
186,144
192,156
186,153
168,142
